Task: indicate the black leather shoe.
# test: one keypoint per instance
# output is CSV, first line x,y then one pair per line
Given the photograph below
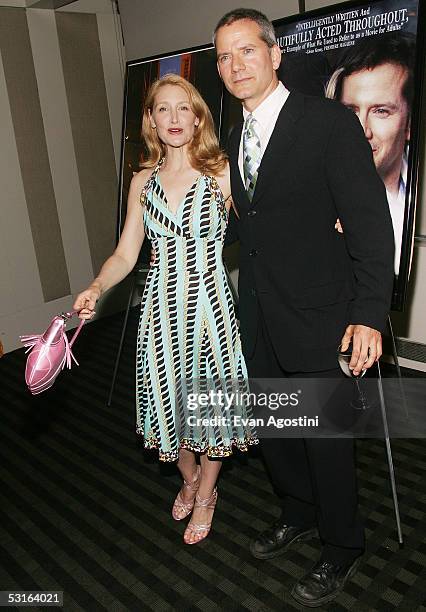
x,y
277,538
323,583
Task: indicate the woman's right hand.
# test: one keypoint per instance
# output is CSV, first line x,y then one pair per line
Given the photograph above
x,y
85,302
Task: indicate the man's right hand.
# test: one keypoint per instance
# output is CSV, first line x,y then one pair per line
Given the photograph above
x,y
366,349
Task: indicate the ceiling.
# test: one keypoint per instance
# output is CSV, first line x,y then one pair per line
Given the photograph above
x,y
78,6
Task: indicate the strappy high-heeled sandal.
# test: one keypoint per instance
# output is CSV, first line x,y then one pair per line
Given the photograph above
x,y
180,508
198,528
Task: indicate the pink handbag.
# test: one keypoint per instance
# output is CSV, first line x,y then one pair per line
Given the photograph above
x,y
49,353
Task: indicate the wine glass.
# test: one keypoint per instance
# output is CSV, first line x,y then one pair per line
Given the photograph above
x,y
344,358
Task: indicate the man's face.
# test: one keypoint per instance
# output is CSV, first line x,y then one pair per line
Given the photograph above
x,y
245,62
375,95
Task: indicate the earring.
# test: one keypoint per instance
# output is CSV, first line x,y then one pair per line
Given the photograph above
x,y
154,127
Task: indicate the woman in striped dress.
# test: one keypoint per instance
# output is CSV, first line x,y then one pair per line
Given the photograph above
x,y
189,358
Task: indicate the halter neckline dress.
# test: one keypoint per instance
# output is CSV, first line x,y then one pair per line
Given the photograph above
x,y
188,340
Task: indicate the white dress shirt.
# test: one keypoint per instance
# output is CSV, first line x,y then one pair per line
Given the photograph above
x,y
397,210
266,115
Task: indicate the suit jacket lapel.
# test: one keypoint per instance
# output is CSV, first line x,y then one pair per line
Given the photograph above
x,y
282,138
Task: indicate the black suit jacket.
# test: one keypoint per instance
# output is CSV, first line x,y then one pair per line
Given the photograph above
x,y
310,281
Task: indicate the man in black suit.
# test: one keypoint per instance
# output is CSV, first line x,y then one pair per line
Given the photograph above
x,y
297,163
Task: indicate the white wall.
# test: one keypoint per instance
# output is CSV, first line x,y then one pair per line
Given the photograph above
x,y
151,28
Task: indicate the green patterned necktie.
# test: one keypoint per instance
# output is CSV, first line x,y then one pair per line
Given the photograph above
x,y
252,154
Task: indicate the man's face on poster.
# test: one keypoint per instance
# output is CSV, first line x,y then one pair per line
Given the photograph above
x,y
376,96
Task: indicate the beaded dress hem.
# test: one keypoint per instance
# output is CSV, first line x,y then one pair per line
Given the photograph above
x,y
213,452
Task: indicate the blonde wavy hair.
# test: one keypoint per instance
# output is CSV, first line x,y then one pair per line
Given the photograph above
x,y
204,152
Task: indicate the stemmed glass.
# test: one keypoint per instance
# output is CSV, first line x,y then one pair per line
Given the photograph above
x,y
344,358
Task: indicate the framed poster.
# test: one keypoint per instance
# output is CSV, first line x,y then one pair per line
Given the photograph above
x,y
197,65
370,57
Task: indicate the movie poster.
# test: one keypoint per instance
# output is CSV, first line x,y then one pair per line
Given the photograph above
x,y
367,55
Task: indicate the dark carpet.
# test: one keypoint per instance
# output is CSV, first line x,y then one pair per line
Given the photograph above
x,y
85,510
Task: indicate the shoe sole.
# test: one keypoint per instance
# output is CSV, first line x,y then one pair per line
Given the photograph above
x,y
327,598
302,537
183,518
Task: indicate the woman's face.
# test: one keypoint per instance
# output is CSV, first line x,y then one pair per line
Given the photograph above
x,y
173,117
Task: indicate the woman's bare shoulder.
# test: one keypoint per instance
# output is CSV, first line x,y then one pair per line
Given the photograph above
x,y
137,185
140,178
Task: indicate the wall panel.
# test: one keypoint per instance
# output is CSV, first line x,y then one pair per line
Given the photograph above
x,y
31,145
62,157
91,129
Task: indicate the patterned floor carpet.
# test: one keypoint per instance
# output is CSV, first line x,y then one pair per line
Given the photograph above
x,y
84,510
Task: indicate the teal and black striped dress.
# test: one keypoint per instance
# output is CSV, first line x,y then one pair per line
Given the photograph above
x,y
188,340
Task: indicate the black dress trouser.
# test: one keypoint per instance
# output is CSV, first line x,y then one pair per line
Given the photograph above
x,y
315,478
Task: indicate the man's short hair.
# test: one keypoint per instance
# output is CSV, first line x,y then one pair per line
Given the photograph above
x,y
398,49
267,32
